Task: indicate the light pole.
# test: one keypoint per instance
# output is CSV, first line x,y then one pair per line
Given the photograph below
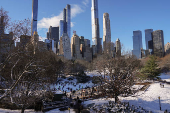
x,y
159,102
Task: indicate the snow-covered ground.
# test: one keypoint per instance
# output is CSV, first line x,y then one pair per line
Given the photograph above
x,y
16,111
147,99
71,84
136,87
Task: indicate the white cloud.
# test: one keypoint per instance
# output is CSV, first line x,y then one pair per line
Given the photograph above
x,y
76,9
55,20
85,2
52,21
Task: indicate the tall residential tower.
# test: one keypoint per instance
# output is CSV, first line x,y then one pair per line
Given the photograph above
x,y
96,40
34,16
106,33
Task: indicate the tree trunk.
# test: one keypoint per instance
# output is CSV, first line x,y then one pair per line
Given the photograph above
x,y
116,99
23,109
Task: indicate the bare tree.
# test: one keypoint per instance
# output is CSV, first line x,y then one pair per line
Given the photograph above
x,y
20,27
28,71
119,74
28,74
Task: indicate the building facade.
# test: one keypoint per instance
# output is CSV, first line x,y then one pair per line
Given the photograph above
x,y
106,33
6,41
65,49
68,19
87,50
137,43
167,48
158,43
75,47
53,34
61,28
82,45
34,16
118,48
51,45
96,41
148,38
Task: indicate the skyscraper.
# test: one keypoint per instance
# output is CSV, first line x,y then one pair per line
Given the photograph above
x,y
34,16
61,28
53,34
137,43
118,48
106,33
65,49
96,41
148,38
167,48
65,24
158,43
75,47
68,19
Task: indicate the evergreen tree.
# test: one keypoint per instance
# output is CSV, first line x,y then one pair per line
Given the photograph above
x,y
151,69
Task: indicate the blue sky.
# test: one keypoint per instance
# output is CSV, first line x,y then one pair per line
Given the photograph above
x,y
125,16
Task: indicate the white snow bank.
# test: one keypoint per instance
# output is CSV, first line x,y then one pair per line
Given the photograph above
x,y
17,111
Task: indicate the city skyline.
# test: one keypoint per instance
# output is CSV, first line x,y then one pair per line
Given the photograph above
x,y
123,21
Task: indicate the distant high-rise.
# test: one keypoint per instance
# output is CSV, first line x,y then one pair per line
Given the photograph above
x,y
68,19
65,49
6,41
106,33
82,45
34,16
148,38
75,47
65,24
158,43
53,33
137,43
118,48
96,41
167,48
61,28
87,42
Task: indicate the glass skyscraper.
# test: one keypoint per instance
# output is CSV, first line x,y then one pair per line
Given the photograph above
x,y
65,24
34,16
137,43
148,37
96,41
53,34
68,20
61,28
